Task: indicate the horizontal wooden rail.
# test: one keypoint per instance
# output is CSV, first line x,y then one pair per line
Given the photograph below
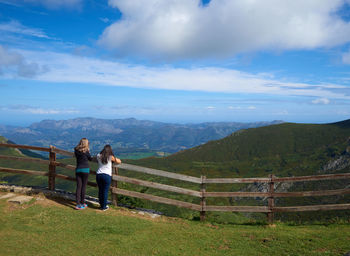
x,y
278,194
26,159
157,199
157,185
62,152
214,208
67,166
237,180
314,178
64,177
71,167
312,208
313,193
42,161
52,149
159,173
29,172
24,147
236,194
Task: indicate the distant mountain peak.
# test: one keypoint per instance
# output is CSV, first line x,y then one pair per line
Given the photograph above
x,y
124,133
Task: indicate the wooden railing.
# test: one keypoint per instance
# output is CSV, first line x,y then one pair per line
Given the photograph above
x,y
202,194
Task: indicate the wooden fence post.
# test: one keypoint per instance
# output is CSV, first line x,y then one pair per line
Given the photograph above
x,y
271,200
203,203
52,169
115,185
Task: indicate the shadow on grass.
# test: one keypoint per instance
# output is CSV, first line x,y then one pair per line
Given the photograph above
x,y
68,202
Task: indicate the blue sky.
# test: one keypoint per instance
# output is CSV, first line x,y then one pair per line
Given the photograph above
x,y
175,60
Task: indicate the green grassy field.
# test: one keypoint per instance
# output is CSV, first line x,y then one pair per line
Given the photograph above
x,y
47,227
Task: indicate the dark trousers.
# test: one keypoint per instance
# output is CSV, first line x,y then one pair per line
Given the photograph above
x,y
103,182
82,179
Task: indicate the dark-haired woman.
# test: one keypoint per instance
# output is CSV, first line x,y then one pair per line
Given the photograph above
x,y
82,155
104,174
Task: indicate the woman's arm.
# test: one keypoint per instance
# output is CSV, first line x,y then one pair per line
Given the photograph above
x,y
94,159
116,160
89,157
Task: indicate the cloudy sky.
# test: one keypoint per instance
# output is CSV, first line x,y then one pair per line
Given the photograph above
x,y
175,60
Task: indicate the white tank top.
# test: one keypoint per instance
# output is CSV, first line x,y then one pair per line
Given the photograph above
x,y
104,168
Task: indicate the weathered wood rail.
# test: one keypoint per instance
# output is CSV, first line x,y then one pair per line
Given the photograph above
x,y
270,209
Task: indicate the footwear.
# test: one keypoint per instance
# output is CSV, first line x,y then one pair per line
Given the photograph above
x,y
85,205
105,209
79,207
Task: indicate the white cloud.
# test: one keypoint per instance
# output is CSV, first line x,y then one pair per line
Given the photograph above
x,y
234,108
346,58
185,29
50,4
17,28
105,20
324,101
42,111
15,62
241,108
77,69
38,110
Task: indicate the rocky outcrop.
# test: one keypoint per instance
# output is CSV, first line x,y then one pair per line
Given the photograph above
x,y
263,187
337,164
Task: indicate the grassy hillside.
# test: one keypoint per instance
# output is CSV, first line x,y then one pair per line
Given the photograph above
x,y
47,227
282,140
285,149
16,152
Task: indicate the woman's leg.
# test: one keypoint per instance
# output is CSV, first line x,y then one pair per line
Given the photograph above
x,y
107,183
79,186
99,182
85,177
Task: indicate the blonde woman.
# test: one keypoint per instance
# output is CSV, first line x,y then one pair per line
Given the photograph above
x,y
82,155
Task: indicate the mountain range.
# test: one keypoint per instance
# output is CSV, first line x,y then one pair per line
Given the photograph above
x,y
125,135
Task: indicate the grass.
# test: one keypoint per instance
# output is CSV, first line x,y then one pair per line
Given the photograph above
x,y
47,227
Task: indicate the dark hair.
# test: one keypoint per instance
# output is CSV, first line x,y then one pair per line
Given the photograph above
x,y
106,153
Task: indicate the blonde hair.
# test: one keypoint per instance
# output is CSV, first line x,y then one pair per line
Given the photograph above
x,y
83,145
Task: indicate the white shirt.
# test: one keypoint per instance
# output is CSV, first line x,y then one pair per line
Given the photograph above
x,y
104,168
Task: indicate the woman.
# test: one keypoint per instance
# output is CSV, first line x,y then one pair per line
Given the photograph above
x,y
104,174
82,155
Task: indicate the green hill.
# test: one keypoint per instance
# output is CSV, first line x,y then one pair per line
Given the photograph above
x,y
284,149
17,152
270,141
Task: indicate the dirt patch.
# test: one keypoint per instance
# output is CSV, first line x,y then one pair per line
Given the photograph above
x,y
44,200
10,207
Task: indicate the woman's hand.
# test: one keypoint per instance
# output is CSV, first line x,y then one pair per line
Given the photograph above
x,y
116,160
